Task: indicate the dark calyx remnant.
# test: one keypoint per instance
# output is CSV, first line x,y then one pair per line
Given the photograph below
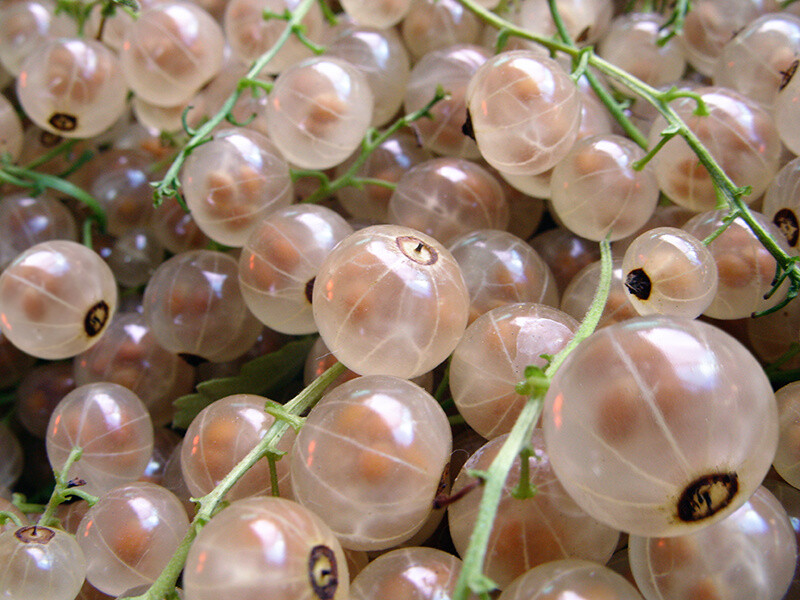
x,y
34,534
48,139
310,289
706,496
96,318
638,284
787,222
323,573
63,122
786,76
467,129
417,250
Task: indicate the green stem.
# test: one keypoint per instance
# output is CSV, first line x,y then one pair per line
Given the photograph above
x,y
444,385
774,368
372,141
727,221
24,506
524,488
168,187
362,181
60,492
674,25
210,503
61,148
273,475
38,182
666,136
86,233
472,577
9,516
585,55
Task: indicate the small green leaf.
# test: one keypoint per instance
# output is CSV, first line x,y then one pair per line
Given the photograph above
x,y
262,376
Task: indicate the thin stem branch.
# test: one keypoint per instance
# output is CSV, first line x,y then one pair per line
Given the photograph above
x,y
61,491
61,148
472,577
168,187
9,516
37,182
210,503
372,141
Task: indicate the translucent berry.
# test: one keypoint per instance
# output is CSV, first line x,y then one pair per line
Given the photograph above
x,y
572,578
377,13
525,112
266,548
222,435
129,355
433,24
250,35
112,427
26,221
390,300
677,418
279,263
451,68
129,536
233,182
194,307
72,87
171,50
408,573
749,554
382,57
448,197
739,133
39,562
500,269
491,358
597,192
10,130
669,272
547,526
369,460
318,112
56,299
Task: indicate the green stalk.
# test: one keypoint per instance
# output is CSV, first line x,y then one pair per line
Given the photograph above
x,y
472,577
168,187
210,503
62,490
372,140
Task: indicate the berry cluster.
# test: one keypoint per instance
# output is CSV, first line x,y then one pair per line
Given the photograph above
x,y
423,184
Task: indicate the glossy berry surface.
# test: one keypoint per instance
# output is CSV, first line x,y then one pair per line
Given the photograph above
x,y
266,547
369,460
525,112
56,299
491,359
669,272
39,562
391,301
129,536
112,427
660,426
